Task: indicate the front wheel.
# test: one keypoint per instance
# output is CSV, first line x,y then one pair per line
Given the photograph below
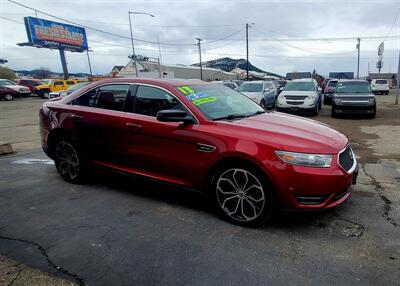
x,y
243,196
333,112
262,104
8,97
69,162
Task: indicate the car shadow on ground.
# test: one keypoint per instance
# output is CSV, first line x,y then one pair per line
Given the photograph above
x,y
194,200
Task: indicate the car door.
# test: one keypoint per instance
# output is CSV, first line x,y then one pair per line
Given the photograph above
x,y
162,150
96,118
58,85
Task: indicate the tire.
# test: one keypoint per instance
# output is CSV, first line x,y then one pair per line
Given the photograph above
x,y
69,161
387,92
262,104
44,93
8,97
333,112
316,110
239,202
319,105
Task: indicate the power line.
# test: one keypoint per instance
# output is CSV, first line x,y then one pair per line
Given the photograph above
x,y
394,22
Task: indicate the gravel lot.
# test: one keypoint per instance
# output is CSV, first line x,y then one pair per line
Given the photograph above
x,y
119,231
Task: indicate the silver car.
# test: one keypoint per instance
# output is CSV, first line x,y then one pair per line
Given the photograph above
x,y
262,92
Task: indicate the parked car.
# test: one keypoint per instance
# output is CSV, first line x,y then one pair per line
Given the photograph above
x,y
380,86
353,97
30,83
69,90
200,136
329,90
282,84
230,84
300,95
238,81
7,93
54,85
262,92
21,91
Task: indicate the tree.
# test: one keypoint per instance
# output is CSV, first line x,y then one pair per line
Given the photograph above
x,y
7,73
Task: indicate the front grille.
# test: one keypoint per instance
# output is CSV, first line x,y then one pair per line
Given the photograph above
x,y
295,102
346,158
295,97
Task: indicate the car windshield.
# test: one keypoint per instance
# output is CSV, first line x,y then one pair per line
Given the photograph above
x,y
353,87
380,81
217,102
77,86
300,86
250,87
4,82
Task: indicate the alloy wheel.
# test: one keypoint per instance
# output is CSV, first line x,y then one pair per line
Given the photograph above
x,y
8,97
67,160
240,195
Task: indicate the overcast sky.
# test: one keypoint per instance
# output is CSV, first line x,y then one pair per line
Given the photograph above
x,y
274,38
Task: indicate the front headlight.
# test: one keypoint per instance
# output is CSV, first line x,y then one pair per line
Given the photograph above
x,y
303,159
311,97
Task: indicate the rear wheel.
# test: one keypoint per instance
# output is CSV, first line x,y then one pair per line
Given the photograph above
x,y
243,196
69,161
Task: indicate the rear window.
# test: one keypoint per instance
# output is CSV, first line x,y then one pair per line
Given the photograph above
x,y
70,82
381,81
353,87
332,83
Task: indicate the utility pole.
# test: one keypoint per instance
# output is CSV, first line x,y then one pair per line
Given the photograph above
x,y
398,81
247,51
90,66
201,66
159,57
358,57
133,47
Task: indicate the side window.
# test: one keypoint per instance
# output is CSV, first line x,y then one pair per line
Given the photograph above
x,y
110,97
70,82
150,100
58,83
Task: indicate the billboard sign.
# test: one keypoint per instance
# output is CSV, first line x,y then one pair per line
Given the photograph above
x,y
49,34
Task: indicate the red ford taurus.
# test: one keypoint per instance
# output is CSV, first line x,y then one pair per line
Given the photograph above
x,y
200,136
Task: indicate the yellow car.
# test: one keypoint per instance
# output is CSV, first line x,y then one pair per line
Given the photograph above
x,y
55,85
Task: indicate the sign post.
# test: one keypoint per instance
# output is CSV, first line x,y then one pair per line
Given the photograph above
x,y
379,64
54,35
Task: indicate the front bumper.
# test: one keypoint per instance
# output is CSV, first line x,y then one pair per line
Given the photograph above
x,y
296,109
309,188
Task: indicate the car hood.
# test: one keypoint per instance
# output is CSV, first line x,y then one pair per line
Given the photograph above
x,y
290,133
297,92
16,87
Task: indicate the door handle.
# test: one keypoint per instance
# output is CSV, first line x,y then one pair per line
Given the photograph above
x,y
76,117
133,125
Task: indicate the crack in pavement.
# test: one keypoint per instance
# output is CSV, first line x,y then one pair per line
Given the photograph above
x,y
16,276
386,202
43,251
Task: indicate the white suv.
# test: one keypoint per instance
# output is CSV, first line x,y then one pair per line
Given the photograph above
x,y
380,86
300,95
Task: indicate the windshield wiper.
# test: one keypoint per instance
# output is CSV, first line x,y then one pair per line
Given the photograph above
x,y
256,113
231,116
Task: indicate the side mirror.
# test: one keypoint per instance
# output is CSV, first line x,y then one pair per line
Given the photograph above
x,y
319,89
266,90
174,115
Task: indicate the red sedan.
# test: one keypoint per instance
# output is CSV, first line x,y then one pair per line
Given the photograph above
x,y
204,137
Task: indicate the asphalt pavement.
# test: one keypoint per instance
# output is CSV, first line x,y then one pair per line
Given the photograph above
x,y
116,230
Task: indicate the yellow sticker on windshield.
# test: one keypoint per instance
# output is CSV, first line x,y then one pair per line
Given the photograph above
x,y
204,100
185,90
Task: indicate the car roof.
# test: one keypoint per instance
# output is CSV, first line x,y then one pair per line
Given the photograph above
x,y
303,80
255,81
353,80
170,82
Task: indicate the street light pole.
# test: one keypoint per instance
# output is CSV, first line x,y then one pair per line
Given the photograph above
x,y
201,65
133,46
358,58
247,51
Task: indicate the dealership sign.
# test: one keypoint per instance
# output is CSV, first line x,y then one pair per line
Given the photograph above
x,y
54,35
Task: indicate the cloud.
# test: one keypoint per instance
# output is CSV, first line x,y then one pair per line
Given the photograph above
x,y
182,21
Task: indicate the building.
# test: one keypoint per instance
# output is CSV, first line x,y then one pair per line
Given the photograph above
x,y
341,75
151,68
390,77
297,75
